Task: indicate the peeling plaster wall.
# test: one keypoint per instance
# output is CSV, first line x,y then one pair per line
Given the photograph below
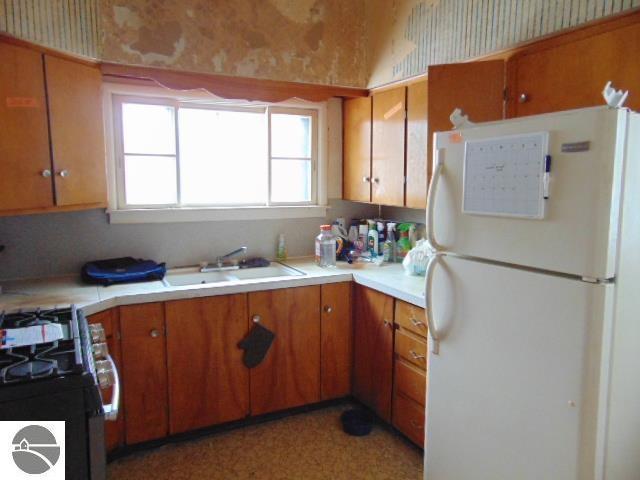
x,y
406,36
314,41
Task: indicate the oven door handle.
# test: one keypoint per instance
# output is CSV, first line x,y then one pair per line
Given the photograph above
x,y
111,409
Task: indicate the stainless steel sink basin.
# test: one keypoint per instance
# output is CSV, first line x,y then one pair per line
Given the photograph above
x,y
192,276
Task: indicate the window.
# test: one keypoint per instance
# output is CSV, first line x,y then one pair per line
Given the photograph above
x,y
172,154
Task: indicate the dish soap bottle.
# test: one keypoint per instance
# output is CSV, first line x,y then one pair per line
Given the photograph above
x,y
326,247
282,248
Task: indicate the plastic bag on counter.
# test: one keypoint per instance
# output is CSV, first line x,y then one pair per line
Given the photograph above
x,y
415,262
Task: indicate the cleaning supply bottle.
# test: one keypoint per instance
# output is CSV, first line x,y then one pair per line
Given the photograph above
x,y
380,237
282,248
403,244
389,247
361,245
326,247
373,239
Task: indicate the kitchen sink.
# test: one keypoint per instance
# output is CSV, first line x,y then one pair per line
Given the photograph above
x,y
192,276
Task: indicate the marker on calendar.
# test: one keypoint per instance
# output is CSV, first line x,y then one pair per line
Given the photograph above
x,y
545,178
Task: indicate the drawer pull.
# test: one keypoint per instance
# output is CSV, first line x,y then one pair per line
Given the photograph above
x,y
416,356
415,424
416,323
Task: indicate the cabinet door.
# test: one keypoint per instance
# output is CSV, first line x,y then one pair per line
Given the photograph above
x,y
357,149
387,152
114,431
208,383
573,75
25,163
417,155
289,376
144,363
475,87
336,332
77,132
373,349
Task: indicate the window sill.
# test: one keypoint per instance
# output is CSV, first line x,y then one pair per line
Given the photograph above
x,y
214,214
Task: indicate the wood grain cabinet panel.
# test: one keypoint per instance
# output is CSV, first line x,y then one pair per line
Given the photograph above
x,y
114,431
410,382
373,349
357,149
208,383
24,137
77,132
289,376
388,147
336,332
411,348
417,143
409,418
144,361
573,74
475,87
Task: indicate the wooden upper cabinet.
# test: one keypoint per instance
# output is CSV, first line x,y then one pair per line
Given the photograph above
x,y
208,382
77,132
417,141
336,332
388,152
573,74
289,375
144,363
25,164
373,349
357,149
475,87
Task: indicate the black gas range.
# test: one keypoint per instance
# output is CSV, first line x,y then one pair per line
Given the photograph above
x,y
45,377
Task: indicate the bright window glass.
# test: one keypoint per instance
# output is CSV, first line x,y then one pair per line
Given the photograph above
x,y
291,181
150,180
223,157
148,129
290,136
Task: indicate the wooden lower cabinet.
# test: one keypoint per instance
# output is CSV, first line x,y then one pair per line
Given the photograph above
x,y
373,349
289,375
144,372
336,346
409,418
114,431
208,383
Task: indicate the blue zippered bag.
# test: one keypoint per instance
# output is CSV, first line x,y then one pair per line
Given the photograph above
x,y
122,270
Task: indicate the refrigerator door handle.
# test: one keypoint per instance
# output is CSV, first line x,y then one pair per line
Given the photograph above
x,y
431,266
431,195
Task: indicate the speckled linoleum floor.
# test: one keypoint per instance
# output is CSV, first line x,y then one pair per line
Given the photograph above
x,y
309,446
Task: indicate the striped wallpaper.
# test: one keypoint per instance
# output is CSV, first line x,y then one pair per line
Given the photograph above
x,y
450,30
70,25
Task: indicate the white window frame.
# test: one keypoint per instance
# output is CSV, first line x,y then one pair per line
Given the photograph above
x,y
116,94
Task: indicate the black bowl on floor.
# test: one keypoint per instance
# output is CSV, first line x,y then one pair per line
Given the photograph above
x,y
357,422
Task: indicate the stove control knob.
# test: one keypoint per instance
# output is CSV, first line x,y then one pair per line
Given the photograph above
x,y
97,333
104,372
100,350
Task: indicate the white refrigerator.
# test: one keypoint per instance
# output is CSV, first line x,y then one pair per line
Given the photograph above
x,y
532,299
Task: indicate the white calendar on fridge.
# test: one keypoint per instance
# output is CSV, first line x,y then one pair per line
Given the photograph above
x,y
504,176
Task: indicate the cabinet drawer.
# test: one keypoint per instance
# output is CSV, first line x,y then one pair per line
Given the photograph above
x,y
411,317
411,349
408,417
410,382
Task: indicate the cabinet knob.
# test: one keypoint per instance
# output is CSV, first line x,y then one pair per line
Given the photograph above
x,y
256,319
63,173
386,323
523,98
376,180
46,173
328,309
155,333
366,179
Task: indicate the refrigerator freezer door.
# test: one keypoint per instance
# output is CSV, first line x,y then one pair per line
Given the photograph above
x,y
578,234
513,391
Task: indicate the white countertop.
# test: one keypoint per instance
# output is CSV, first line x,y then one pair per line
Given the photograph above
x,y
64,290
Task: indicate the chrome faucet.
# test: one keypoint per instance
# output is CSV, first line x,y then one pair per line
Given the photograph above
x,y
220,262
